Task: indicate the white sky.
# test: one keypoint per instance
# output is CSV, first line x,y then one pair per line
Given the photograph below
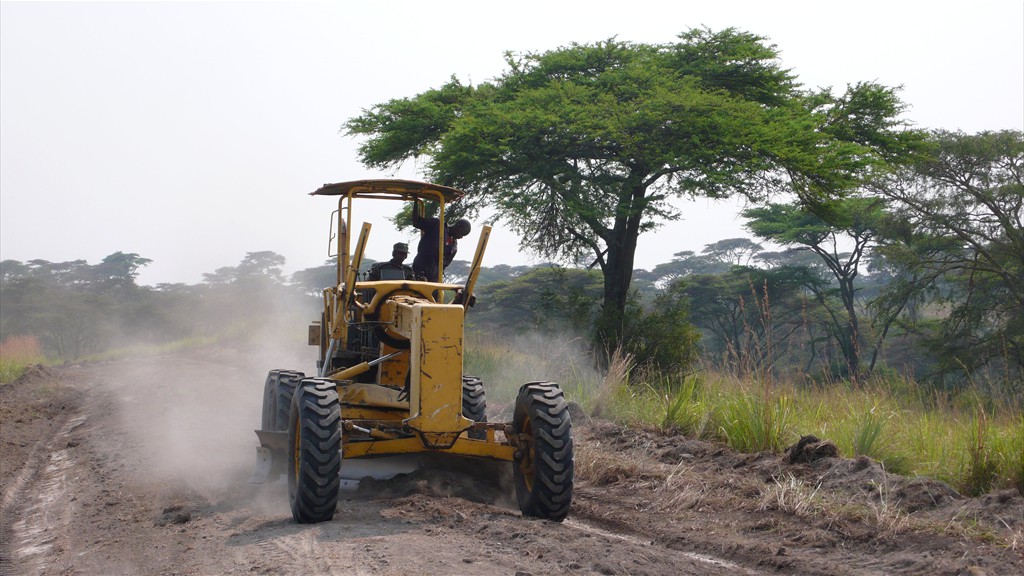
x,y
191,132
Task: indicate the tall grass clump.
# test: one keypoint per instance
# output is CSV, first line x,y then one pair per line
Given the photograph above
x,y
753,422
993,457
981,468
871,436
17,353
868,433
615,381
687,409
1012,445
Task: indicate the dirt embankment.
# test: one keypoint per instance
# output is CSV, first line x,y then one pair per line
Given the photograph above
x,y
141,467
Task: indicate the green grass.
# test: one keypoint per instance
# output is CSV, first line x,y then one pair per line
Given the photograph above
x,y
756,421
972,439
11,370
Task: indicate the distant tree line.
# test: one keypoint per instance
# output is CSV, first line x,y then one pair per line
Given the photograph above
x,y
921,272
77,309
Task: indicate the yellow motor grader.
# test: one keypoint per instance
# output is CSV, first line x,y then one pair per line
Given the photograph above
x,y
390,381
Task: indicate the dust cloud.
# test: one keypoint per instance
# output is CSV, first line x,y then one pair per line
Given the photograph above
x,y
506,362
189,416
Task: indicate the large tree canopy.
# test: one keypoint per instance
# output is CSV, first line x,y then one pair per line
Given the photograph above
x,y
581,149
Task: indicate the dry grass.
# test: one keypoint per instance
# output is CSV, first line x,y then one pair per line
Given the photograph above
x,y
17,353
603,468
681,489
887,515
21,349
620,364
791,495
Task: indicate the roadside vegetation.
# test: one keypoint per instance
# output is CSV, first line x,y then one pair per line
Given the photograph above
x,y
970,439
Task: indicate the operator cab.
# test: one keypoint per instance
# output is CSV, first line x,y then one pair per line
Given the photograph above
x,y
355,326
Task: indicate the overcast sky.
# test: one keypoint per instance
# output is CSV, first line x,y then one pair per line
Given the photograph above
x,y
191,132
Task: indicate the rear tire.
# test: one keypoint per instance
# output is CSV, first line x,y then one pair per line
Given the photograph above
x,y
286,385
474,404
269,401
277,398
314,451
544,467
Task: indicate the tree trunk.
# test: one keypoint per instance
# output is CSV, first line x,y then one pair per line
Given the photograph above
x,y
618,266
851,344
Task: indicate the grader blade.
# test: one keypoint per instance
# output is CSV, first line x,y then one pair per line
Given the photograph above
x,y
270,456
264,464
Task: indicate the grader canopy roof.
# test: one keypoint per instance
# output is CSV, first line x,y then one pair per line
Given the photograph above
x,y
407,188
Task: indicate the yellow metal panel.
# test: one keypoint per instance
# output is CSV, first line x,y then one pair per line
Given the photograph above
x,y
436,380
392,372
474,270
381,447
351,271
467,447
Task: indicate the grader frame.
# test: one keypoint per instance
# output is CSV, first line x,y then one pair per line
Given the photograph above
x,y
390,381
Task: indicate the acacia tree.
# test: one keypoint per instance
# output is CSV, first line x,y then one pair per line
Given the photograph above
x,y
750,313
686,263
582,149
854,219
733,251
73,307
964,243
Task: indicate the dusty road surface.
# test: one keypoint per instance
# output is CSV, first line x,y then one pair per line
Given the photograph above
x,y
141,467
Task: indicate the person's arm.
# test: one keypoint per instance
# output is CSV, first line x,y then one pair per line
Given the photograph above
x,y
418,221
449,252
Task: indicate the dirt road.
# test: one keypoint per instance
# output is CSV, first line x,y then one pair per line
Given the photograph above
x,y
141,467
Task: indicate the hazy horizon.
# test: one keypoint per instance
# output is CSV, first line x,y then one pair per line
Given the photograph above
x,y
191,133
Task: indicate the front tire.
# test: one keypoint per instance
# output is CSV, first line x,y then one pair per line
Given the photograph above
x,y
314,451
544,466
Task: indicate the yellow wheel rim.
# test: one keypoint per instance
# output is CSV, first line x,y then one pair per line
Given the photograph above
x,y
526,464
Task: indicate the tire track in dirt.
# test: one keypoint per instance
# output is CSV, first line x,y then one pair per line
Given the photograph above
x,y
710,561
35,496
299,552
